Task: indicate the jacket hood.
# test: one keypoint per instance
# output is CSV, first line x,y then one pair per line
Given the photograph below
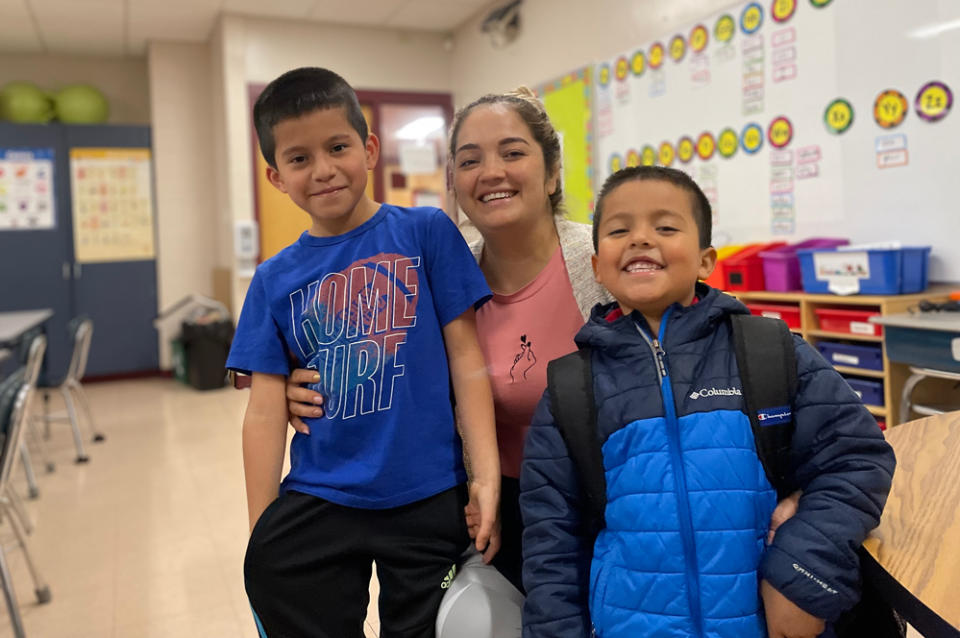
x,y
683,323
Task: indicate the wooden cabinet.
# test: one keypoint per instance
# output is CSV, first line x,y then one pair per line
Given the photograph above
x,y
893,375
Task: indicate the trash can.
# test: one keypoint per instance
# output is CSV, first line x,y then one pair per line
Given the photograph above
x,y
206,345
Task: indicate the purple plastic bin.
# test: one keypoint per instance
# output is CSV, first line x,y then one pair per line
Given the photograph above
x,y
781,266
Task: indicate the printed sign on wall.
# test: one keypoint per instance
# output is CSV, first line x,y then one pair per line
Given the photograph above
x,y
26,189
112,204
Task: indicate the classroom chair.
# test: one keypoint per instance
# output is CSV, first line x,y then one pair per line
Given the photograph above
x,y
81,332
31,358
15,394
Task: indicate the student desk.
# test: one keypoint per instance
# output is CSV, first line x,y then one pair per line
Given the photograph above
x,y
929,343
918,540
14,324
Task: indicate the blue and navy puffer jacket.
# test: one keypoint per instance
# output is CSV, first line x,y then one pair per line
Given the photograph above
x,y
688,502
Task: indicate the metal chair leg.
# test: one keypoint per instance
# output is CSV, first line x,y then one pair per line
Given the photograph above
x,y
908,387
40,586
17,509
81,395
11,597
32,488
41,445
46,415
75,424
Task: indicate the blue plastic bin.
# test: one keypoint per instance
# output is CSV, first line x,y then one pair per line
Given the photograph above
x,y
889,271
870,391
853,356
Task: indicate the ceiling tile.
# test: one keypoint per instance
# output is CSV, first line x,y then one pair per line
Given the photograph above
x,y
285,9
17,34
364,12
433,15
88,26
157,21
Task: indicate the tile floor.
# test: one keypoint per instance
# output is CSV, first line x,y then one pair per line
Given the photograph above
x,y
147,540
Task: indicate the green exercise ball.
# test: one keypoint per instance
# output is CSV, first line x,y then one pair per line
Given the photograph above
x,y
81,104
26,103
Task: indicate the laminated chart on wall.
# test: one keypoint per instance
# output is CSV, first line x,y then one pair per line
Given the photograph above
x,y
26,189
567,101
799,118
112,192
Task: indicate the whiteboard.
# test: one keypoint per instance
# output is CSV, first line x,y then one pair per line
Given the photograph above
x,y
792,59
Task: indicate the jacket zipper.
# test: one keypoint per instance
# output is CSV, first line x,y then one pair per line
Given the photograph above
x,y
679,475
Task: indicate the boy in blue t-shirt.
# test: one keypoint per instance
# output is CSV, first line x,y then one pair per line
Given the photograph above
x,y
380,301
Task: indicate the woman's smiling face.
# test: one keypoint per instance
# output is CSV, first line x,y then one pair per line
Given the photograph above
x,y
499,175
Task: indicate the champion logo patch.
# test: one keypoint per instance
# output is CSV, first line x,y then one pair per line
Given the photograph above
x,y
774,416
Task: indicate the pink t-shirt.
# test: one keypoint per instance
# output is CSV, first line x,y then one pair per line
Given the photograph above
x,y
519,334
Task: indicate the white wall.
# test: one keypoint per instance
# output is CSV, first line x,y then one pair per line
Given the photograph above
x,y
182,117
558,36
124,81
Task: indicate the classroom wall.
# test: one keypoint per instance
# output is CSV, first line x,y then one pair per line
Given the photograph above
x,y
124,81
559,36
181,114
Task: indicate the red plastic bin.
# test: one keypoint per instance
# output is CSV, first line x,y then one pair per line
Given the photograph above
x,y
855,322
715,280
789,314
744,271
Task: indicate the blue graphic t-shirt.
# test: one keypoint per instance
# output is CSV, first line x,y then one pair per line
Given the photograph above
x,y
366,310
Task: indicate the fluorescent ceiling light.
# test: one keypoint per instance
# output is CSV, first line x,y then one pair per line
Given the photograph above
x,y
933,30
420,128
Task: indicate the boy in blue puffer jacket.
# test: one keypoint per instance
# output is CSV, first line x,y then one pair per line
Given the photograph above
x,y
683,552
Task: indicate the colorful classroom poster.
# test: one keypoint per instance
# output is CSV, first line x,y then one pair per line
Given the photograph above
x,y
26,189
112,192
725,132
568,103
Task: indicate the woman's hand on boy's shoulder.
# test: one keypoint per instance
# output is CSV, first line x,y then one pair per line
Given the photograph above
x,y
302,401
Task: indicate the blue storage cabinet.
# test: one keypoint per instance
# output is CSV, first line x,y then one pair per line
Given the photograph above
x,y
39,269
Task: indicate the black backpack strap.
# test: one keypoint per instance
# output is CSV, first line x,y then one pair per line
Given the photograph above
x,y
570,382
768,376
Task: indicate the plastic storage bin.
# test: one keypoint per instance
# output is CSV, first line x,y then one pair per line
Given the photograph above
x,y
715,280
744,271
853,356
781,266
867,271
870,391
855,322
788,313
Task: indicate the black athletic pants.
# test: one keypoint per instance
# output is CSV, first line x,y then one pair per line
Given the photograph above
x,y
308,565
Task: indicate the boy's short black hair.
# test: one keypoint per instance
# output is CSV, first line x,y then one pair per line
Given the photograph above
x,y
702,212
298,92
